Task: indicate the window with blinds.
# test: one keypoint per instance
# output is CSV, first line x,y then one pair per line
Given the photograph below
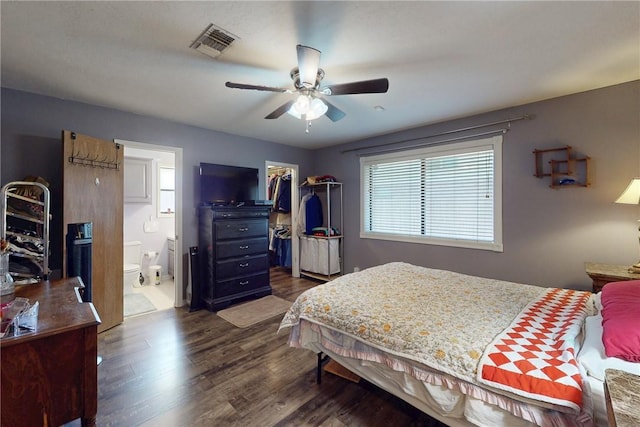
x,y
446,195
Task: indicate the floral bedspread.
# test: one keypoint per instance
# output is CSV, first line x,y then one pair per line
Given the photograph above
x,y
442,319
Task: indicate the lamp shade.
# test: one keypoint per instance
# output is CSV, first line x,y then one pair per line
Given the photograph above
x,y
631,196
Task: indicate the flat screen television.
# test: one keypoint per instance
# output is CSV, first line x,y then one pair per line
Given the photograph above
x,y
227,185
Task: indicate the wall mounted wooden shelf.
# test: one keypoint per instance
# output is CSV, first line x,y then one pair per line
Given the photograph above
x,y
564,169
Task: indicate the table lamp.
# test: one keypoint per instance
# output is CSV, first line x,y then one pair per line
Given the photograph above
x,y
631,196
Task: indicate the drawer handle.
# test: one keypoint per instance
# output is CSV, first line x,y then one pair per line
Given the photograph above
x,y
243,229
245,282
244,265
244,247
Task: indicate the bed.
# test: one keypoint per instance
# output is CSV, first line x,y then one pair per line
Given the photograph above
x,y
466,350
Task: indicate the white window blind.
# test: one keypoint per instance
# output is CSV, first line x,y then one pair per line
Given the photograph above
x,y
448,195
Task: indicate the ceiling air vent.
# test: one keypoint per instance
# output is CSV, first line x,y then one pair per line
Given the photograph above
x,y
213,41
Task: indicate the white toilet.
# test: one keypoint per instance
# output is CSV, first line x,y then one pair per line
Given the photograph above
x,y
131,268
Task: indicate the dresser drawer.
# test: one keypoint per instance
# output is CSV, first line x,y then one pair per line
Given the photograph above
x,y
241,266
239,229
237,248
230,214
238,285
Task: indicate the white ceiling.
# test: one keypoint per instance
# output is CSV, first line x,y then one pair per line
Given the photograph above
x,y
444,60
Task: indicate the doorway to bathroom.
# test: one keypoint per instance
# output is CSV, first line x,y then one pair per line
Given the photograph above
x,y
153,223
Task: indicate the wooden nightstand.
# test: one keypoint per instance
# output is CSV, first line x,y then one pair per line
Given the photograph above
x,y
622,394
601,274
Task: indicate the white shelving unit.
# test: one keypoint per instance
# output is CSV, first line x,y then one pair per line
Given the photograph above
x,y
25,224
312,248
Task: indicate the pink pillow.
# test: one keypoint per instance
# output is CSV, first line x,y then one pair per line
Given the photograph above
x,y
621,320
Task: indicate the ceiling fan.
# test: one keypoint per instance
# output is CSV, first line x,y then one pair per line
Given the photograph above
x,y
310,104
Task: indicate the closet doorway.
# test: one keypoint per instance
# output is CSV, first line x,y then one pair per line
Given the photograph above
x,y
281,222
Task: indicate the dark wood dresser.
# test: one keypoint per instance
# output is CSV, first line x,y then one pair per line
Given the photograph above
x,y
49,377
233,245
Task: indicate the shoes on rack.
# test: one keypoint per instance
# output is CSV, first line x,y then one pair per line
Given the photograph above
x,y
32,191
25,267
31,246
24,251
22,207
21,230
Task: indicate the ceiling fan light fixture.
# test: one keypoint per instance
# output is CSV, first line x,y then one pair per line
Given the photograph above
x,y
308,108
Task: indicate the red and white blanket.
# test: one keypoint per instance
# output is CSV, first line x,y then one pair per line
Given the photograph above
x,y
535,356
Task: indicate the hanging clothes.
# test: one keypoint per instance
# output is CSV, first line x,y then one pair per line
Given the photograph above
x,y
301,219
283,195
280,246
272,186
279,192
313,214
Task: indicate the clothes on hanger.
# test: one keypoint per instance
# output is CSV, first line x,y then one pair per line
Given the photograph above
x,y
279,191
313,214
301,220
280,246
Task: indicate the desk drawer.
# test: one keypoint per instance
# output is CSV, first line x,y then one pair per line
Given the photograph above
x,y
238,248
240,229
241,266
238,285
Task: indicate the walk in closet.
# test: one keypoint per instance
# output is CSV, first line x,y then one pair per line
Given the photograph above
x,y
279,192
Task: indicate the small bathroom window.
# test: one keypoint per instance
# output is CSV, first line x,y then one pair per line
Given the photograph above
x,y
166,191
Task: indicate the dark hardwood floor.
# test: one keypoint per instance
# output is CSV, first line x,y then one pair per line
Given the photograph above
x,y
175,368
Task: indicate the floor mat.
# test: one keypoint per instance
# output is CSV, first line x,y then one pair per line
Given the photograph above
x,y
250,313
135,304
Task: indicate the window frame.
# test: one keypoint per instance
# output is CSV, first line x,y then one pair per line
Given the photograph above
x,y
495,143
160,190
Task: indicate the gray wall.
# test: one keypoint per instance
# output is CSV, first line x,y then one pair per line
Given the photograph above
x,y
32,145
548,233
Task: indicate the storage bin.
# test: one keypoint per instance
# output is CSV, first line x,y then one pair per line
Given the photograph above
x,y
320,256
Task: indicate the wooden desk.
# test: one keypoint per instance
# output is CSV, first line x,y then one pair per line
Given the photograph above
x,y
50,377
622,394
601,274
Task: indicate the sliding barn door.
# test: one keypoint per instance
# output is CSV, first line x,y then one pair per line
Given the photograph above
x,y
92,192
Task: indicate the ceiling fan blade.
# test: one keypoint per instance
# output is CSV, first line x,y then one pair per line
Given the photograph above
x,y
308,64
333,112
280,110
254,87
365,86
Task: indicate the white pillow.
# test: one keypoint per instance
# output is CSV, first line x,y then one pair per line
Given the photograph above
x,y
597,302
592,355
